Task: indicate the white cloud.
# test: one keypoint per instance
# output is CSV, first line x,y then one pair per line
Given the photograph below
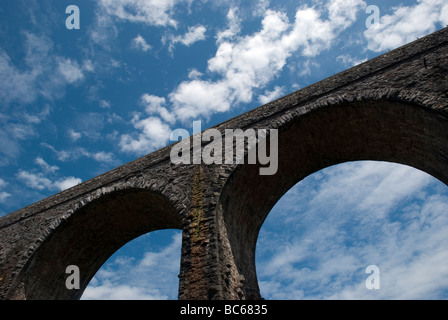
x,y
342,13
102,156
108,291
67,183
140,43
40,182
39,117
3,196
151,12
350,61
193,35
34,181
70,70
242,64
199,97
164,257
246,63
155,105
406,24
271,95
88,65
104,104
104,30
20,131
74,135
444,15
152,277
45,166
154,131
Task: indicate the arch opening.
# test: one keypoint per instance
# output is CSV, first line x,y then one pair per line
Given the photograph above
x,y
381,130
90,236
320,238
145,268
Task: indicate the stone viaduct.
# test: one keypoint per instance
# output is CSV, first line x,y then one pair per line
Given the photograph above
x,y
391,108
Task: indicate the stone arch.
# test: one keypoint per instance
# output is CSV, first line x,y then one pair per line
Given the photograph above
x,y
88,235
323,133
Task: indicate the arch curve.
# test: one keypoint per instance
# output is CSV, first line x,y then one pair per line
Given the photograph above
x,y
90,235
323,133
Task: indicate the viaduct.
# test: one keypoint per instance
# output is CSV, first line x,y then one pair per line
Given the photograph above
x,y
391,108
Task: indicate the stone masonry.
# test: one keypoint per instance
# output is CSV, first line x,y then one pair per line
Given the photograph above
x,y
391,108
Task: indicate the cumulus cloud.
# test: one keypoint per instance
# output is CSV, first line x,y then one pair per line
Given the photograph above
x,y
101,156
246,63
233,26
241,65
155,105
193,35
406,24
320,248
349,61
45,166
3,194
41,180
67,183
75,153
45,74
35,181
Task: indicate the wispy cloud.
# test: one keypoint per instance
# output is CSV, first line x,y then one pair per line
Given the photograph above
x,y
3,194
46,178
73,154
246,63
151,12
154,276
154,134
351,216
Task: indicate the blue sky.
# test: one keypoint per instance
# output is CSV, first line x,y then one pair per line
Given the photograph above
x,y
77,103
